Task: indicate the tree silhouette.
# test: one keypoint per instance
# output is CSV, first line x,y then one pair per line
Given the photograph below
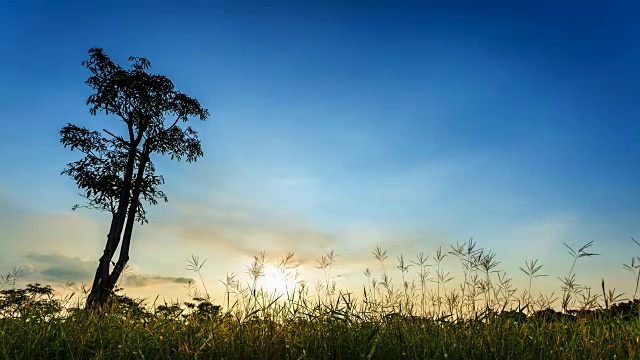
x,y
117,172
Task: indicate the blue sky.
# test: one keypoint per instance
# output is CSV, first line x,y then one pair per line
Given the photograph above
x,y
338,125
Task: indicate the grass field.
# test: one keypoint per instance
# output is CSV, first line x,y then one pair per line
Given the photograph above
x,y
426,316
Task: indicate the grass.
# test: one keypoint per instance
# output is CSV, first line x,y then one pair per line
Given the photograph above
x,y
425,316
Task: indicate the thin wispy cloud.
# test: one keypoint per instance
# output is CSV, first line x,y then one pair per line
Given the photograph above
x,y
142,280
243,228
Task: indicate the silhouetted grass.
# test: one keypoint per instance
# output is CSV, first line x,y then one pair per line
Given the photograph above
x,y
426,316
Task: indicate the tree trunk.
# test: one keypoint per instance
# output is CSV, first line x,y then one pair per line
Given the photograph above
x,y
96,289
100,290
128,231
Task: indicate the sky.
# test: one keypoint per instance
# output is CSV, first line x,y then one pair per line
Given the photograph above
x,y
343,126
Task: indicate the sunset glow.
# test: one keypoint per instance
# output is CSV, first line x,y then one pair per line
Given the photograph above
x,y
278,281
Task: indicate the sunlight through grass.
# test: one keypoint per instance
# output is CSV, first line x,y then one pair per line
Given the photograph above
x,y
275,315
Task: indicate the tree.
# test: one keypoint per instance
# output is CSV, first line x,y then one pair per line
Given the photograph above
x,y
117,172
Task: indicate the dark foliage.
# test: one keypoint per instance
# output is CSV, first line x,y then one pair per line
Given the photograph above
x,y
34,300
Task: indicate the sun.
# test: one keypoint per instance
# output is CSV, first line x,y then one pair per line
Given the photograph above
x,y
278,281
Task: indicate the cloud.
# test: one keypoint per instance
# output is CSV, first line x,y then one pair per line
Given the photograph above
x,y
143,280
73,233
245,228
60,268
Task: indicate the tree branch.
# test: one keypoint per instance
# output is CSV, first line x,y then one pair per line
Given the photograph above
x,y
172,125
117,137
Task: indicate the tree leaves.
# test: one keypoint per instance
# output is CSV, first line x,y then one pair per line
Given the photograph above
x,y
142,101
